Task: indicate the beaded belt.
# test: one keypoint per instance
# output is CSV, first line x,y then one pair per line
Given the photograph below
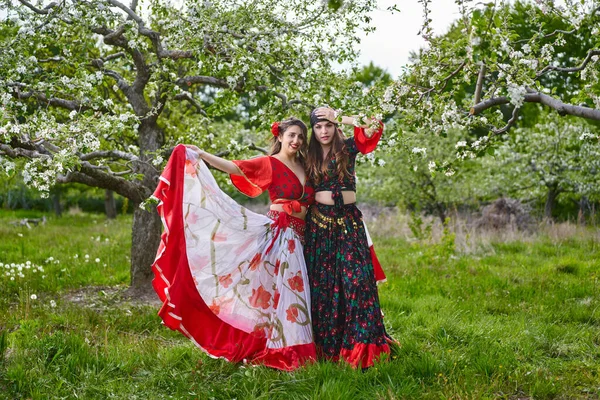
x,y
322,220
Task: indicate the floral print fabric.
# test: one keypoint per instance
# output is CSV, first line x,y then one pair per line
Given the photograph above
x,y
347,320
248,268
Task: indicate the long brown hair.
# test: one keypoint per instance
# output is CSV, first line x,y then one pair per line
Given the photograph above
x,y
316,166
284,126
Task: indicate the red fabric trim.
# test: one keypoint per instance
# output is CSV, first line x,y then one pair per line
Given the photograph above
x,y
363,355
289,206
379,274
364,144
256,178
288,358
183,309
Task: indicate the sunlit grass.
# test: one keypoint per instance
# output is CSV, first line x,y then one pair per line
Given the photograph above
x,y
518,320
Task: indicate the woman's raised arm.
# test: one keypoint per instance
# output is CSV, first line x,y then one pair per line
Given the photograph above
x,y
216,161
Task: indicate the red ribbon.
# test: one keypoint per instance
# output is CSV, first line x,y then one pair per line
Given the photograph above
x,y
289,206
280,223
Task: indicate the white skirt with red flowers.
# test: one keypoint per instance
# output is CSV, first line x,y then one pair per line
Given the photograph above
x,y
231,280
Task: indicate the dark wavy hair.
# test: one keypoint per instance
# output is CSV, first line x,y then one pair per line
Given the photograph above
x,y
284,126
316,166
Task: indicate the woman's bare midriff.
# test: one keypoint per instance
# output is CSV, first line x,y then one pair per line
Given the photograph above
x,y
279,207
325,197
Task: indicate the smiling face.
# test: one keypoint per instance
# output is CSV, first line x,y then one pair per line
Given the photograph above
x,y
291,140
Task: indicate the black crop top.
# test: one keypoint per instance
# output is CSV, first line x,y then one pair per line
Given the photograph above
x,y
359,143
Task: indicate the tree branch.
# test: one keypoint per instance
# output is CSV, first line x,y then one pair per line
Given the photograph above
x,y
52,101
445,80
113,56
537,97
205,80
489,103
509,124
188,96
43,11
136,192
585,62
153,35
548,36
284,101
116,38
114,154
51,59
16,152
479,86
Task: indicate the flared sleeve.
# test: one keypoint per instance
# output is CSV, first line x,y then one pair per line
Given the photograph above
x,y
256,175
366,144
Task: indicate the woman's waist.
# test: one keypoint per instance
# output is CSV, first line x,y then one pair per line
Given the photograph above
x,y
275,209
327,196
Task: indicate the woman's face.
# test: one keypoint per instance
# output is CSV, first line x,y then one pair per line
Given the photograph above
x,y
291,140
324,132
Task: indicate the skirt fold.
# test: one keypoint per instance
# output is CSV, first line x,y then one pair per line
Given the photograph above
x,y
347,319
233,281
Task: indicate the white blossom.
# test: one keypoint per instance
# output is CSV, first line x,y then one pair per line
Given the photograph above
x,y
420,150
516,94
431,166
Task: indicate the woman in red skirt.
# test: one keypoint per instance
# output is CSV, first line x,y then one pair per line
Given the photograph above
x,y
231,280
347,320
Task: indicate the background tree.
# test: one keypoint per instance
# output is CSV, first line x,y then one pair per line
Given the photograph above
x,y
558,157
497,58
95,91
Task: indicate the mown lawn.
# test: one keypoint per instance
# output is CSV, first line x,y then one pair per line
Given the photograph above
x,y
520,320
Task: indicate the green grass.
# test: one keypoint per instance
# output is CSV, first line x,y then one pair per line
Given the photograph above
x,y
520,321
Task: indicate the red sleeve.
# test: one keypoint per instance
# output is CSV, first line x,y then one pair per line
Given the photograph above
x,y
363,143
256,176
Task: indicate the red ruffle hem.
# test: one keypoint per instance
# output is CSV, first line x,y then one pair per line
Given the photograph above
x,y
183,308
362,355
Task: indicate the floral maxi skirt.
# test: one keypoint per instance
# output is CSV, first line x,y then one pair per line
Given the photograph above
x,y
347,319
233,281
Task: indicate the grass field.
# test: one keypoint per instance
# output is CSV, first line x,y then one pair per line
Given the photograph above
x,y
518,320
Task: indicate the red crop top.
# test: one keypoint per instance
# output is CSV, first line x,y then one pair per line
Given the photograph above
x,y
268,173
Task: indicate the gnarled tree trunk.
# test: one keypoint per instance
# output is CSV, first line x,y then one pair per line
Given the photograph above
x,y
147,225
145,238
109,204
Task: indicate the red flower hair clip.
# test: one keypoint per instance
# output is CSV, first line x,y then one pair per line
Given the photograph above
x,y
275,128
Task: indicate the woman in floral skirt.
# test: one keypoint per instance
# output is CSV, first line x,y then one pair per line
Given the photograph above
x,y
347,320
231,280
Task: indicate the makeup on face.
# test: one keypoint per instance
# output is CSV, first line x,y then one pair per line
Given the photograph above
x,y
324,131
291,140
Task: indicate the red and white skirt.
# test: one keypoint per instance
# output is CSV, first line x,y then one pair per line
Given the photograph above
x,y
233,281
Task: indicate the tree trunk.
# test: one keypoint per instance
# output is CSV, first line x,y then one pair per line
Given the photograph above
x,y
441,212
145,238
56,201
584,205
553,193
110,205
147,226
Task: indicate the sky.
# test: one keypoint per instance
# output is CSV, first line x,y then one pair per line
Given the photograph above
x,y
396,36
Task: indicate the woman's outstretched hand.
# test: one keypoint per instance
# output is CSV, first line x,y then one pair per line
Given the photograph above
x,y
194,148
